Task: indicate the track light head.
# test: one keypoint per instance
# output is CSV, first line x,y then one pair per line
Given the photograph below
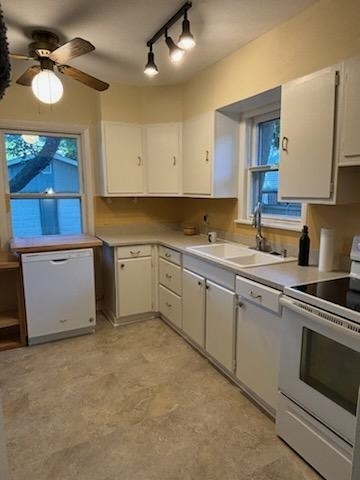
x,y
150,68
176,54
186,39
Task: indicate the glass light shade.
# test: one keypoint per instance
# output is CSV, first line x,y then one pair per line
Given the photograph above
x,y
176,53
186,39
150,68
47,87
31,139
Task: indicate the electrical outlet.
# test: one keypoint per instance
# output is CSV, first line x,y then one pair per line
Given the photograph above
x,y
205,218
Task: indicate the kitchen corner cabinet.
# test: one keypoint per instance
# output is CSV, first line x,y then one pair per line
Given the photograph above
x,y
163,158
210,155
128,275
12,312
122,159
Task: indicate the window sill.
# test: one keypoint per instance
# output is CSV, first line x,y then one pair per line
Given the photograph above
x,y
294,226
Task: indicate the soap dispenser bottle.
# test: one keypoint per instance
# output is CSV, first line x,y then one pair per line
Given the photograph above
x,y
304,247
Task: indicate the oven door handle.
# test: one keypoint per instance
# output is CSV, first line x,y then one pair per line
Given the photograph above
x,y
325,319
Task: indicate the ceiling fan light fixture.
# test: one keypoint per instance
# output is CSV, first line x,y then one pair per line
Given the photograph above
x,y
176,54
150,68
47,87
186,39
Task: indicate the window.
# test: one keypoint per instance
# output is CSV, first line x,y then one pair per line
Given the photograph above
x,y
259,146
45,183
263,167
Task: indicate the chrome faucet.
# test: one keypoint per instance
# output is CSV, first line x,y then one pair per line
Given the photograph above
x,y
256,223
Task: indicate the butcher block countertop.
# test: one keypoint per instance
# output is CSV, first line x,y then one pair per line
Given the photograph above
x,y
48,243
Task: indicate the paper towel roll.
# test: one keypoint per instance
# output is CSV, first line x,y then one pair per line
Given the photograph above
x,y
326,252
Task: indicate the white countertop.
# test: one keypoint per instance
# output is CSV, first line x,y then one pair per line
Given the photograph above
x,y
277,276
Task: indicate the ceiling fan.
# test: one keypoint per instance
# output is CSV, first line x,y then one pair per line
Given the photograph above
x,y
45,49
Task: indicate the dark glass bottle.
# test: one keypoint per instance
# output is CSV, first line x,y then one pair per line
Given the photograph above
x,y
304,247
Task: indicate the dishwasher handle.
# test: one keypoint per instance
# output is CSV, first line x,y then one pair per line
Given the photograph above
x,y
59,260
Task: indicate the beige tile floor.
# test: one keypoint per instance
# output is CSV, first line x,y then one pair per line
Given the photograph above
x,y
133,403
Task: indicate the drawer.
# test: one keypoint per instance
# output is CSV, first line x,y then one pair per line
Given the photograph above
x,y
132,251
170,275
260,294
170,305
170,255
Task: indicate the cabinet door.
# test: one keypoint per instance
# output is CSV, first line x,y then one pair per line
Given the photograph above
x,y
197,154
220,324
134,282
194,307
122,148
163,158
307,136
350,144
258,350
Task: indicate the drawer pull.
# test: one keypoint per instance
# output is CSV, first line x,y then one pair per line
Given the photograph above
x,y
168,304
167,275
255,295
168,255
139,160
135,253
122,265
207,287
200,283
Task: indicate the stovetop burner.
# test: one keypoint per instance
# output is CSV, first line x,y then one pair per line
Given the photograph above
x,y
344,292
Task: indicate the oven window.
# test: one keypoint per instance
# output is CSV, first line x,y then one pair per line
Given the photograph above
x,y
330,368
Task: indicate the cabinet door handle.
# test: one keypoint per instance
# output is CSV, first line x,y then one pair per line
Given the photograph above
x,y
255,295
122,265
168,255
139,160
206,155
200,283
168,304
284,144
135,253
207,287
240,303
174,160
167,275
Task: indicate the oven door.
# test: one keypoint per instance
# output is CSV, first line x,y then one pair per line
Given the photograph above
x,y
320,365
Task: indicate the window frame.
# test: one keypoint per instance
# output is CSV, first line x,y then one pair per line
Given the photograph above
x,y
82,133
248,151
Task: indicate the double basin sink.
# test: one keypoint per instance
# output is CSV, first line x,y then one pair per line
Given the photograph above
x,y
238,255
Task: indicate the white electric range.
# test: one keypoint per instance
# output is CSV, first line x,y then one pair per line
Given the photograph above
x,y
320,370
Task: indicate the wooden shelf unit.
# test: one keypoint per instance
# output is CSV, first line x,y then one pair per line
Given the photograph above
x,y
12,311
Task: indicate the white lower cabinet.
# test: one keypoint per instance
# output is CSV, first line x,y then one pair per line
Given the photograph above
x,y
170,288
129,287
220,324
258,340
194,306
134,285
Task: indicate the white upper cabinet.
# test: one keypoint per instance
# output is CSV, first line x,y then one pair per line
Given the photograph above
x,y
308,114
350,138
122,157
163,158
210,155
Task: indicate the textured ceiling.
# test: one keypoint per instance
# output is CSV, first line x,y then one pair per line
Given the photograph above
x,y
119,29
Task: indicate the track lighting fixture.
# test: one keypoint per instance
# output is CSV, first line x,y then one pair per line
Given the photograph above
x,y
150,68
176,52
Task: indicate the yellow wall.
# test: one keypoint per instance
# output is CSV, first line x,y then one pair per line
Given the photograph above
x,y
321,35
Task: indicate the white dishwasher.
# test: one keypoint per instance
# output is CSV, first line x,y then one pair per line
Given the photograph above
x,y
59,292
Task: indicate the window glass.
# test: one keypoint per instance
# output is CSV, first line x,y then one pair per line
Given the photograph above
x,y
265,171
37,164
44,184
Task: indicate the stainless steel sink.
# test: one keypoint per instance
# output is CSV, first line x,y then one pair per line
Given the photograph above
x,y
238,255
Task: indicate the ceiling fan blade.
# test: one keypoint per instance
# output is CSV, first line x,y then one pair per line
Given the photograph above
x,y
83,77
76,47
19,56
26,78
